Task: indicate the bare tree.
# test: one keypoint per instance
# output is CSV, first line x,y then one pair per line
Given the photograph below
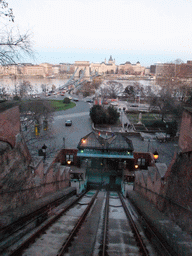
x,y
39,109
165,103
24,88
2,92
53,87
13,44
44,88
112,89
5,11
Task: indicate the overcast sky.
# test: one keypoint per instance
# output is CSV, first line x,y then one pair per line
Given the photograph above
x,y
148,31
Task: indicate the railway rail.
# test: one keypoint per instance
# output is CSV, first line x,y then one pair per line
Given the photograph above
x,y
99,223
14,231
116,218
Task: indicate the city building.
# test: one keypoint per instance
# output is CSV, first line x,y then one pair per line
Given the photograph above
x,y
104,67
180,70
49,70
131,69
33,70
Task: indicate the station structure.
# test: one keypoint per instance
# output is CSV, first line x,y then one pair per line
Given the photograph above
x,y
104,161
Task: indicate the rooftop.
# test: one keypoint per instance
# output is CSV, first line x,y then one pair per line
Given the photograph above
x,y
116,142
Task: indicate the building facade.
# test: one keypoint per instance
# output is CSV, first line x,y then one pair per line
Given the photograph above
x,y
104,67
131,69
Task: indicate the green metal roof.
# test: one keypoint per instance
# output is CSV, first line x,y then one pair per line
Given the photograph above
x,y
106,155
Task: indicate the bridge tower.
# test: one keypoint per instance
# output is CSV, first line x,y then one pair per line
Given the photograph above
x,y
82,67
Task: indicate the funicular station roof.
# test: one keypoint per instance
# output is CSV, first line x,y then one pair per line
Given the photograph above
x,y
95,146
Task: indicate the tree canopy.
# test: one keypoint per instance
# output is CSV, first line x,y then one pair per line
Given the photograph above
x,y
165,104
100,115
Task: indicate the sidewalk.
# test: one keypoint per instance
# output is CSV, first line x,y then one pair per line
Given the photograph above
x,y
126,124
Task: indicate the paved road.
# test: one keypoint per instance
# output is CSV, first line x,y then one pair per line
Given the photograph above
x,y
81,124
53,138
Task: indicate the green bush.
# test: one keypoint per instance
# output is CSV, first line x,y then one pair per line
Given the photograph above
x,y
97,114
16,97
168,127
66,100
100,115
112,115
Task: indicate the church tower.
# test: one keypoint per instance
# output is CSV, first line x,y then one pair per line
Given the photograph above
x,y
110,60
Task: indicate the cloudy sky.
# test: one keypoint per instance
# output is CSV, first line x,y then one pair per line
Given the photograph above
x,y
148,31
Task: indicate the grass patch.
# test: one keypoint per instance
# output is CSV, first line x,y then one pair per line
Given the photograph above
x,y
58,105
146,117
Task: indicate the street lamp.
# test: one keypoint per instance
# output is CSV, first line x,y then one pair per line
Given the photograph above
x,y
167,126
148,144
155,155
136,166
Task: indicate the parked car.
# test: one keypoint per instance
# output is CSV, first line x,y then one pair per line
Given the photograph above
x,y
68,123
89,100
134,106
75,99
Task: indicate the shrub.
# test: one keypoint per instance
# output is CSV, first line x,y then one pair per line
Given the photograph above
x,y
97,114
112,115
16,97
66,100
100,115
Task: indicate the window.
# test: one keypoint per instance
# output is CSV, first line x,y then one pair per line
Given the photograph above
x,y
141,162
69,158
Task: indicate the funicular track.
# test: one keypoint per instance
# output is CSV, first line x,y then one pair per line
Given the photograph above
x,y
99,223
148,241
30,245
14,231
107,246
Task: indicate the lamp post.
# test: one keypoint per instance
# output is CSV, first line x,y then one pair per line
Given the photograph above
x,y
167,126
148,144
63,142
44,152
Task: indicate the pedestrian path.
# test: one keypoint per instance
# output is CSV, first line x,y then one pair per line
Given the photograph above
x,y
126,124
